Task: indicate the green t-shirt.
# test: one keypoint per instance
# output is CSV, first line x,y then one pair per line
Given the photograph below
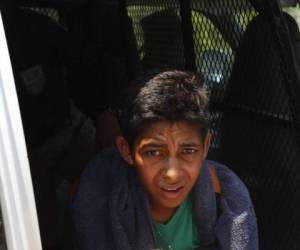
x,y
180,232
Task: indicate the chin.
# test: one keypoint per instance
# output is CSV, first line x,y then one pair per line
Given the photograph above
x,y
172,204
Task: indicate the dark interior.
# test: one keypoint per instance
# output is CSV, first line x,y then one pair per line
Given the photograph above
x,y
73,59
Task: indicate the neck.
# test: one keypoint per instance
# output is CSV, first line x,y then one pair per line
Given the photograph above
x,y
161,215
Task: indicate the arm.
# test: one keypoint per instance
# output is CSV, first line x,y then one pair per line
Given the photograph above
x,y
236,227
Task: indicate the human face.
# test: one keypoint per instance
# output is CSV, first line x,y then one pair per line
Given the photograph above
x,y
168,158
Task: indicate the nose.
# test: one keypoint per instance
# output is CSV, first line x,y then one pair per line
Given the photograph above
x,y
171,171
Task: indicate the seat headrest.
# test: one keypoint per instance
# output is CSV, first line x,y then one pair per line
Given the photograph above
x,y
257,81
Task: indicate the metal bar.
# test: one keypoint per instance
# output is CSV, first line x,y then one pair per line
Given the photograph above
x,y
187,34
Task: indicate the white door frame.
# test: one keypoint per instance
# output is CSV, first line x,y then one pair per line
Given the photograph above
x,y
16,192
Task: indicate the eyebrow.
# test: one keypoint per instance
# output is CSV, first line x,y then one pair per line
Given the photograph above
x,y
190,144
154,145
161,145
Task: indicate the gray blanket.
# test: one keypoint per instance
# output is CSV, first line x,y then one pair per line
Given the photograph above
x,y
110,209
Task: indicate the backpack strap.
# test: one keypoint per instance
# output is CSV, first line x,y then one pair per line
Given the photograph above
x,y
215,179
217,188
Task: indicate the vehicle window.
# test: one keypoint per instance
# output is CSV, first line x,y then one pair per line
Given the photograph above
x,y
215,46
2,235
137,13
214,56
294,11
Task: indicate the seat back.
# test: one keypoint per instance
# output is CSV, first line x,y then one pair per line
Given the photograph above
x,y
38,71
163,43
258,134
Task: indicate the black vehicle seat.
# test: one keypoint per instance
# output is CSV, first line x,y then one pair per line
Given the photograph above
x,y
258,135
36,64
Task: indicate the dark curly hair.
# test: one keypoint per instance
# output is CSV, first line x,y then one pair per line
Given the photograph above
x,y
169,95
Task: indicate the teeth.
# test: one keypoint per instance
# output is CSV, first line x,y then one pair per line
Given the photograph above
x,y
172,189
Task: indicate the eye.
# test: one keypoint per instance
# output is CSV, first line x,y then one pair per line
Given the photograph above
x,y
189,150
152,153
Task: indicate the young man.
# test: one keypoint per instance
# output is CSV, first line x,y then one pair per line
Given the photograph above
x,y
157,191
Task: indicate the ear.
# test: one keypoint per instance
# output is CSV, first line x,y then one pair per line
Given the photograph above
x,y
124,149
207,141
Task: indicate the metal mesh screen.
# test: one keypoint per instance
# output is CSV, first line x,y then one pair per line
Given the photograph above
x,y
236,52
217,30
157,27
54,14
258,134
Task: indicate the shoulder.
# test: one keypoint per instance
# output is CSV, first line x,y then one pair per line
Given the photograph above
x,y
232,187
236,226
90,206
97,179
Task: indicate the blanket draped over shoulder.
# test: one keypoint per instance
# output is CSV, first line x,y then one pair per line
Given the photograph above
x,y
111,210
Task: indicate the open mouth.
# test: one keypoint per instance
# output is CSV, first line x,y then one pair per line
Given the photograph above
x,y
173,192
171,189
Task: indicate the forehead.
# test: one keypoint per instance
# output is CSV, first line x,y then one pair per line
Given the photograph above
x,y
164,131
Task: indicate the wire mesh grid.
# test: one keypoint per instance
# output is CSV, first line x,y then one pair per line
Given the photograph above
x,y
257,133
217,29
157,27
54,14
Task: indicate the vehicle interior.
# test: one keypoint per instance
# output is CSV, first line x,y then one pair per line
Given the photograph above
x,y
72,60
